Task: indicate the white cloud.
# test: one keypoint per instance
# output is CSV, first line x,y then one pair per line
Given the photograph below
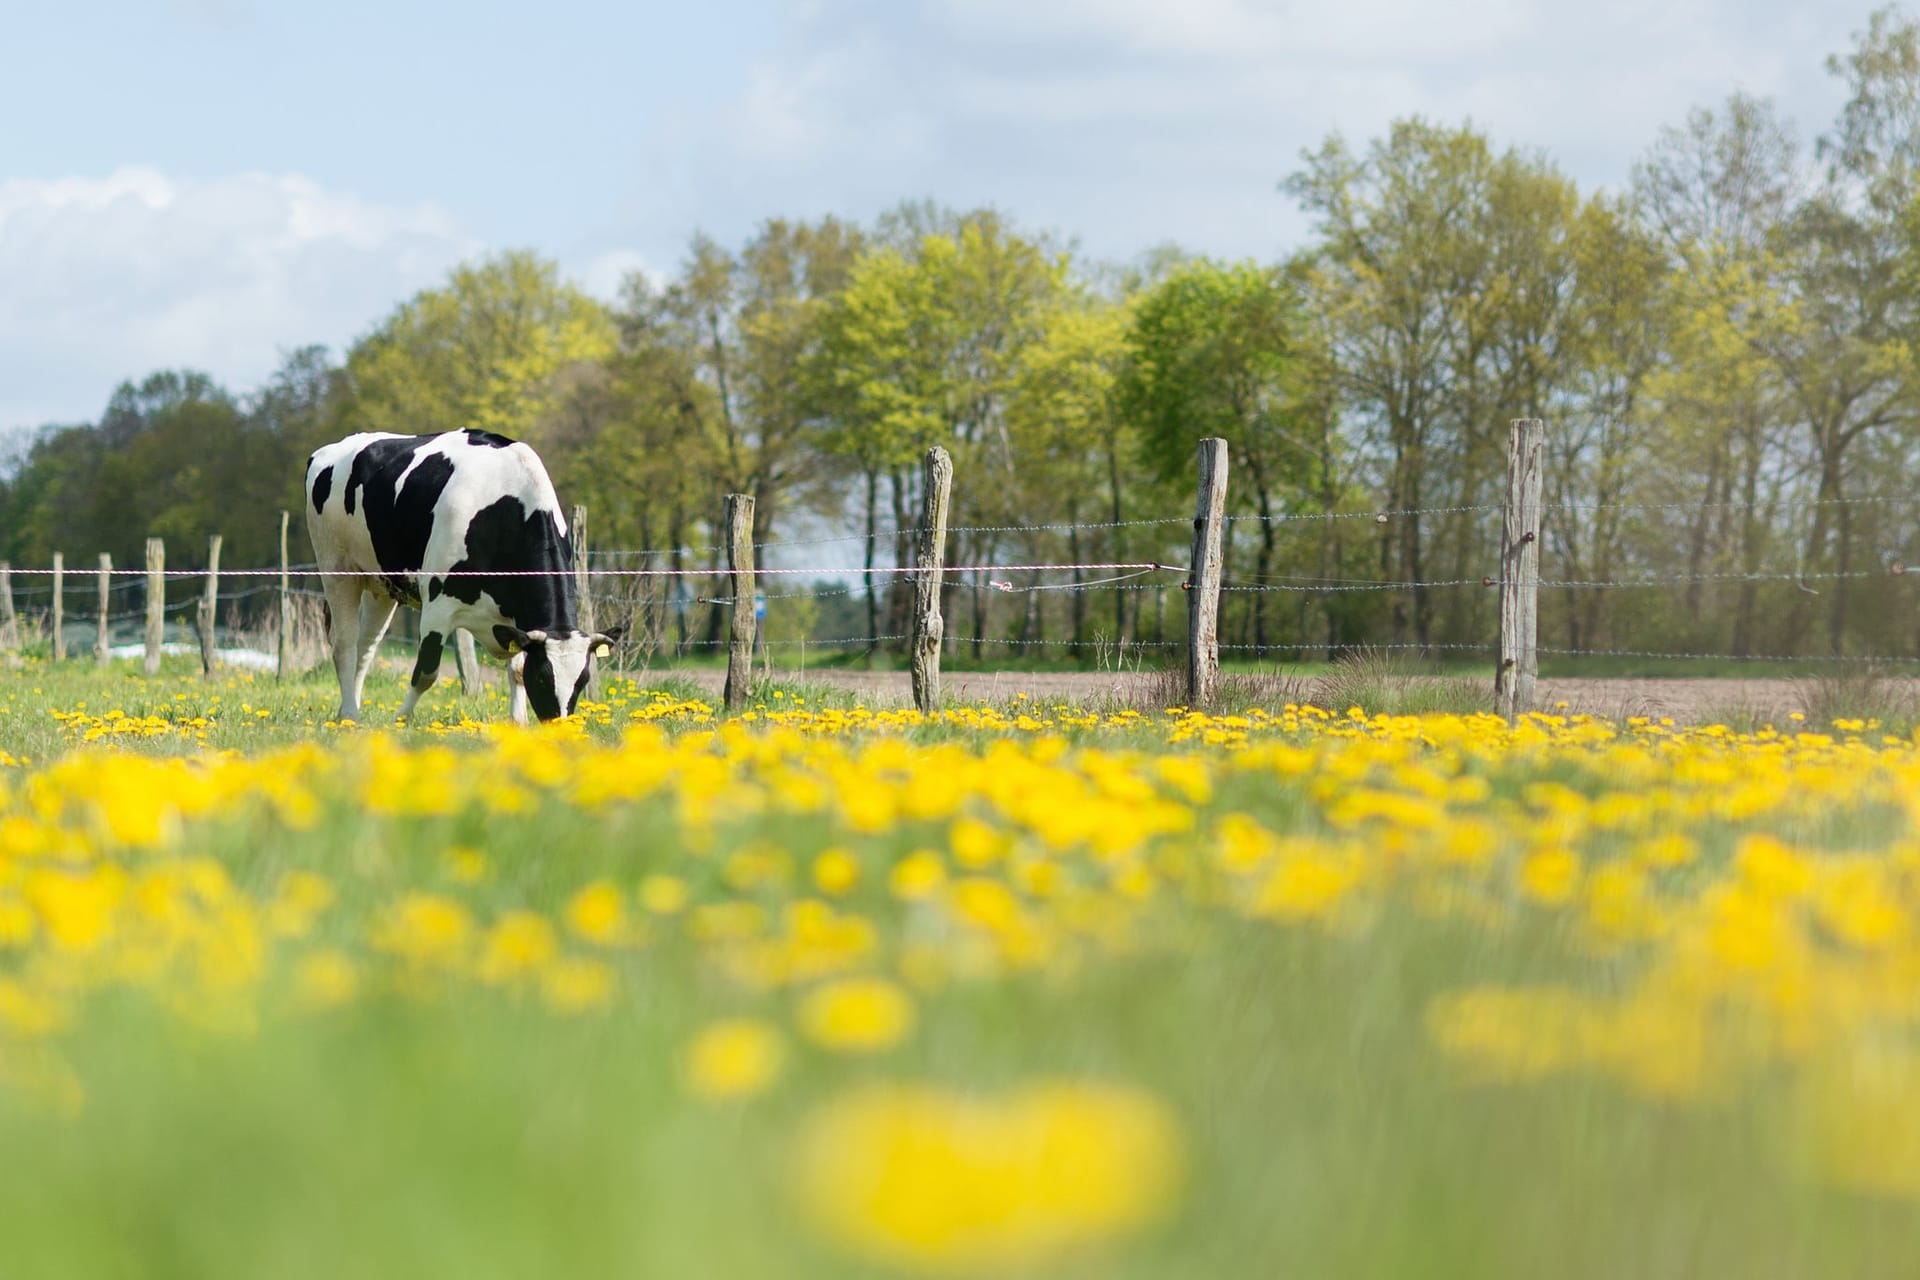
x,y
1131,122
1248,30
604,274
112,277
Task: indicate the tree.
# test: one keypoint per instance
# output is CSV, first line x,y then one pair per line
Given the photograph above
x,y
923,347
1216,350
1600,451
1070,434
486,350
1445,274
1715,194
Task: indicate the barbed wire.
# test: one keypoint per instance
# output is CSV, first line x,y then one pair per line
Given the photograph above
x,y
1723,657
174,575
1320,586
1376,515
777,644
1784,504
1681,578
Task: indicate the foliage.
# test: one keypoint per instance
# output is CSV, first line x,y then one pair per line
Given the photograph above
x,y
487,350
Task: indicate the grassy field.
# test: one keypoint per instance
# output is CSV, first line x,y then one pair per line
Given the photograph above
x,y
1028,989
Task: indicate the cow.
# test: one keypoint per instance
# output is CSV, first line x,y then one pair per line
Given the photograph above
x,y
424,520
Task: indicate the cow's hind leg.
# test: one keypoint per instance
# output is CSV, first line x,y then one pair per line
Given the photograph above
x,y
376,612
343,634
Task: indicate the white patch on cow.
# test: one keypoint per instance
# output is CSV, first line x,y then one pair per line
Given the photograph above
x,y
568,655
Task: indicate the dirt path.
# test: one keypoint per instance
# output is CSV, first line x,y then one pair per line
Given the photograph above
x,y
1684,700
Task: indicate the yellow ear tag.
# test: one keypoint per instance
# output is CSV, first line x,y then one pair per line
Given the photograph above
x,y
602,650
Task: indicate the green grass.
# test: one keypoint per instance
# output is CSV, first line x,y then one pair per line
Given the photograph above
x,y
469,1134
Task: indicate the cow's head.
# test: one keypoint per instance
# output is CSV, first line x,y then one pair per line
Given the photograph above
x,y
552,666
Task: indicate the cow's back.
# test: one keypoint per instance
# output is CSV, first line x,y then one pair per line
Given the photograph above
x,y
403,506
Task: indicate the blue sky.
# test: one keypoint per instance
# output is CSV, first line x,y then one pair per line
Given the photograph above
x,y
211,182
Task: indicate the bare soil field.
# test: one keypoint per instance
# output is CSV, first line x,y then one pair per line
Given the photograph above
x,y
1685,700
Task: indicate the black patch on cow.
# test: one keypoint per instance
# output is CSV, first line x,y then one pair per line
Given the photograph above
x,y
487,439
538,676
426,668
434,589
399,519
326,615
504,536
578,686
322,486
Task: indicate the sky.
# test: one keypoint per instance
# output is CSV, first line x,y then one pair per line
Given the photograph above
x,y
212,183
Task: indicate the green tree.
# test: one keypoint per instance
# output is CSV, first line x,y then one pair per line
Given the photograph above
x,y
1445,273
1073,442
488,350
1221,350
923,347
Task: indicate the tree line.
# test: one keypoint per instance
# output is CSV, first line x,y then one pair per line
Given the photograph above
x,y
1723,351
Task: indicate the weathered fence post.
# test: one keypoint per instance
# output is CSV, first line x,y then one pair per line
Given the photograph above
x,y
740,574
1513,679
156,602
59,603
9,620
1203,584
283,659
209,607
101,648
929,559
583,588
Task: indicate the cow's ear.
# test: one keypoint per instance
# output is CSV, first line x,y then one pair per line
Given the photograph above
x,y
512,639
600,643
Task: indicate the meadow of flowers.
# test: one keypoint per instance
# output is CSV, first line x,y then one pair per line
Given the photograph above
x,y
1047,990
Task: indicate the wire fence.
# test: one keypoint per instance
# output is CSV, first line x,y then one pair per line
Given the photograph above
x,y
635,581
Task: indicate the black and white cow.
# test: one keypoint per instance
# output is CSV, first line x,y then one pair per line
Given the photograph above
x,y
407,517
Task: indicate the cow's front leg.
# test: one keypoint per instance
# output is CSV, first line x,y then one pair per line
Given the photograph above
x,y
426,670
517,690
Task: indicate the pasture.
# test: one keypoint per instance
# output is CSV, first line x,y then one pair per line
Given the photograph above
x,y
1028,987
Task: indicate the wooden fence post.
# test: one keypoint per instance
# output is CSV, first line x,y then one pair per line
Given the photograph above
x,y
101,631
283,659
156,602
210,607
1513,679
59,603
9,620
740,573
928,561
1203,582
583,588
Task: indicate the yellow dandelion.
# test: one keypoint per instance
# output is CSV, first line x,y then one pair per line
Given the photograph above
x,y
598,914
922,1178
325,979
835,872
733,1058
857,1015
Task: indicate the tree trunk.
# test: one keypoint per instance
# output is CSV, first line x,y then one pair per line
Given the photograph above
x,y
677,539
1698,538
1077,603
873,532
